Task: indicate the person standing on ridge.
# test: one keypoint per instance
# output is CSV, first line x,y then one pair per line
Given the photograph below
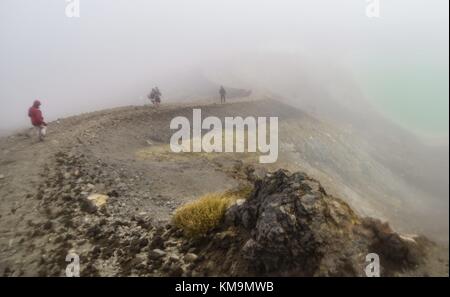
x,y
222,93
155,96
37,120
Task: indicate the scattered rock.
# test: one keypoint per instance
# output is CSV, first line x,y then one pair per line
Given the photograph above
x,y
287,226
98,200
175,270
47,226
190,257
157,242
156,254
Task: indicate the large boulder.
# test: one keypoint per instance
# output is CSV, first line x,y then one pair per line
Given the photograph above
x,y
290,226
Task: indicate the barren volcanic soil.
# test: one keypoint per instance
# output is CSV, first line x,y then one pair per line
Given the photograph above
x,y
129,145
124,154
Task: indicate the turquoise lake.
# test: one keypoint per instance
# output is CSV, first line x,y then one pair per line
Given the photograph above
x,y
411,90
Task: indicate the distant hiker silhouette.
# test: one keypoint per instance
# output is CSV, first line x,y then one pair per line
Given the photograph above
x,y
222,93
37,120
155,96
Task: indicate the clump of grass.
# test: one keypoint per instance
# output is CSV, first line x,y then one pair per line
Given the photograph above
x,y
200,216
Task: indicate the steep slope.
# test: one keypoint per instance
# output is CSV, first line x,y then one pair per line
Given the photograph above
x,y
333,93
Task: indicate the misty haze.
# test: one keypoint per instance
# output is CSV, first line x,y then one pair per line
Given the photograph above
x,y
363,142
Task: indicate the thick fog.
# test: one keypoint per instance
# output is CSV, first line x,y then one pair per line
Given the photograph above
x,y
117,50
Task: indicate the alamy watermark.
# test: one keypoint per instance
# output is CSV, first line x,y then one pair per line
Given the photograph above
x,y
73,268
373,8
73,8
252,133
373,268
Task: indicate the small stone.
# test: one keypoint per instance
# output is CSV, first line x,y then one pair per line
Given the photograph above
x,y
190,257
88,206
98,200
156,254
157,242
47,226
175,270
174,258
143,242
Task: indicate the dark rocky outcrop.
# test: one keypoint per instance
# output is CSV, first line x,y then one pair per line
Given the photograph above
x,y
290,226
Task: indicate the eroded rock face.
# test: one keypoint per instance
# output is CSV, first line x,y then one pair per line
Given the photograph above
x,y
290,226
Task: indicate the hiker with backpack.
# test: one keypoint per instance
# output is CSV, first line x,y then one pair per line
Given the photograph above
x,y
155,96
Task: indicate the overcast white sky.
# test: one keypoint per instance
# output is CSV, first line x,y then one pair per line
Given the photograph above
x,y
118,49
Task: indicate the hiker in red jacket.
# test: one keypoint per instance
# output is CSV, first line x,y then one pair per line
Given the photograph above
x,y
37,120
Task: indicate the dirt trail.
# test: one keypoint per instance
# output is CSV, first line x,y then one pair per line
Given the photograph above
x,y
22,162
111,138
